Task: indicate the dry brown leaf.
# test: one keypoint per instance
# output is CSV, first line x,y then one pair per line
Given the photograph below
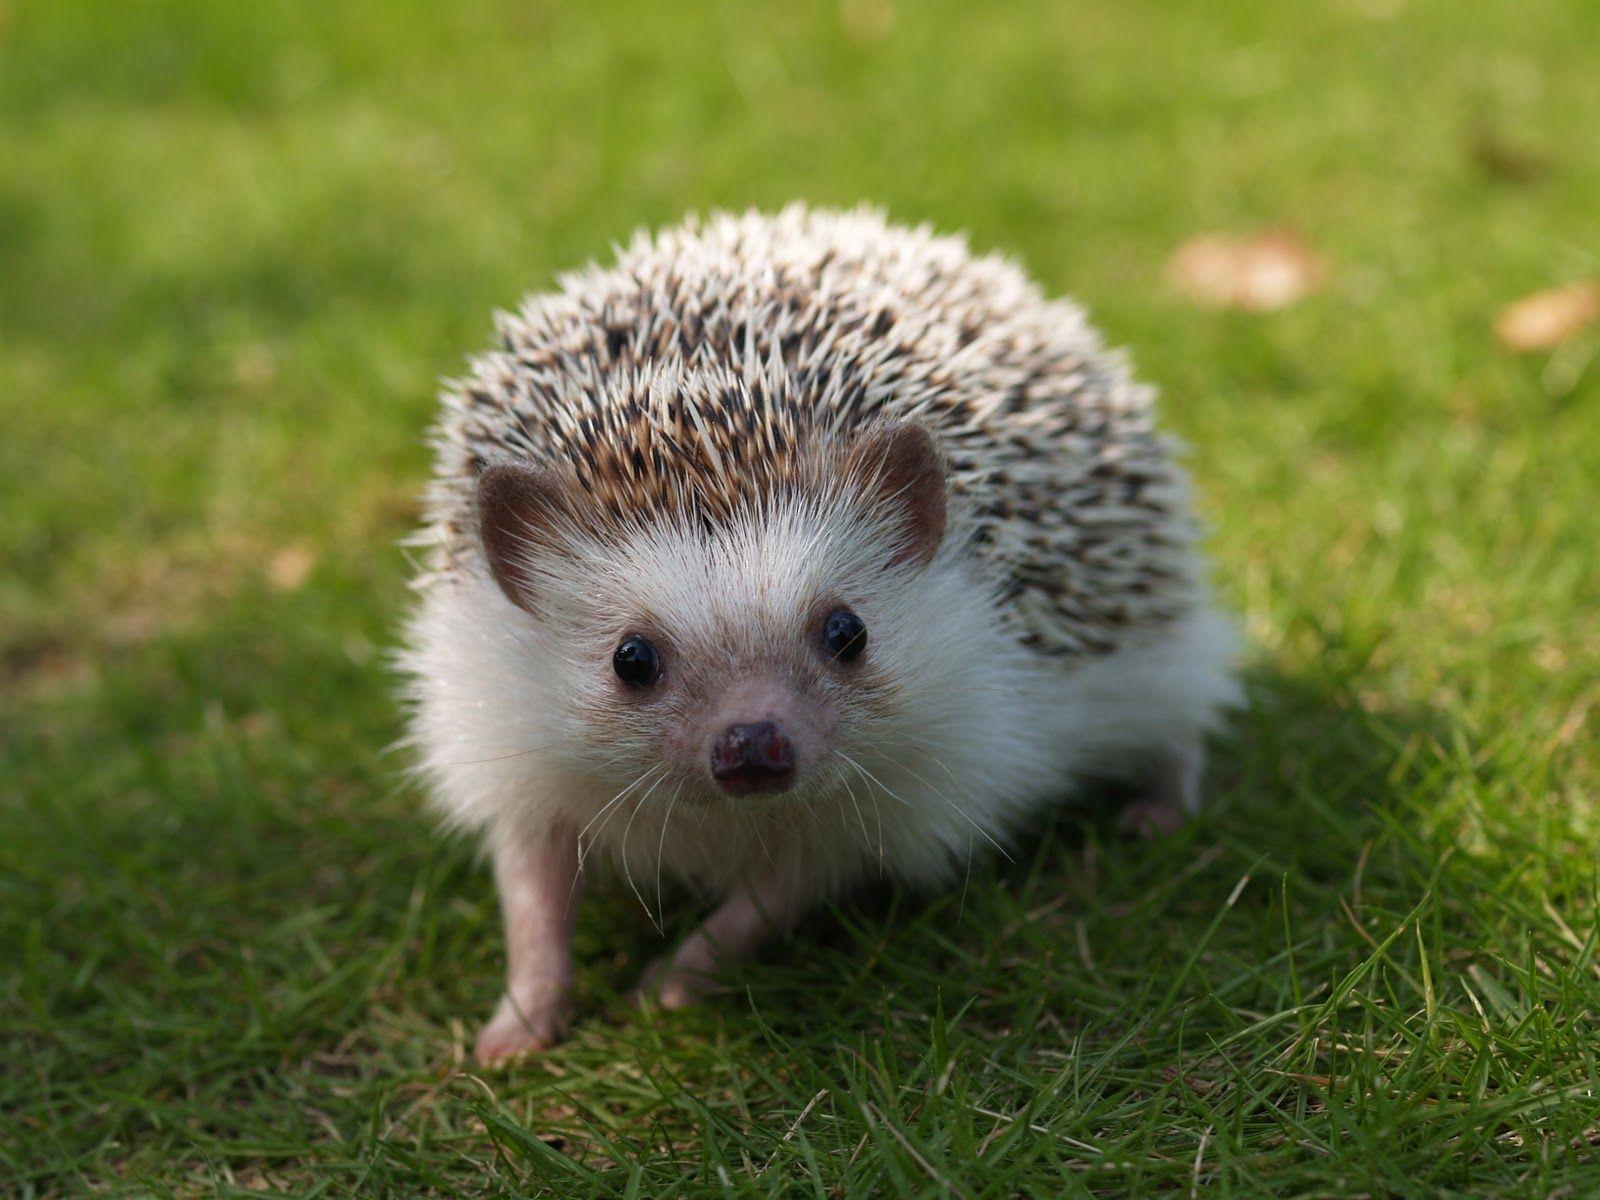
x,y
254,366
867,20
291,566
1545,319
1257,272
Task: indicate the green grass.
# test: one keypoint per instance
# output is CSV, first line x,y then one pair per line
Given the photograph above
x,y
238,244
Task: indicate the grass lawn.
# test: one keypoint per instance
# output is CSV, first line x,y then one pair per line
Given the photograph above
x,y
240,242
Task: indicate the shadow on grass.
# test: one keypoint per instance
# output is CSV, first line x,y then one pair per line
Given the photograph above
x,y
1301,789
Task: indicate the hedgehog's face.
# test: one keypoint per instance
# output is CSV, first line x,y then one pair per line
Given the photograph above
x,y
756,714
770,656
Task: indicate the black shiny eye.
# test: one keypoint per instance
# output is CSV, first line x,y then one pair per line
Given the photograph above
x,y
843,635
636,662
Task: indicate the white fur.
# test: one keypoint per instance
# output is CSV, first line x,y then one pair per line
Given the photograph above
x,y
517,724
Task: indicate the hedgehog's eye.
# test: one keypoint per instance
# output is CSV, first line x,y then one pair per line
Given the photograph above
x,y
636,662
844,636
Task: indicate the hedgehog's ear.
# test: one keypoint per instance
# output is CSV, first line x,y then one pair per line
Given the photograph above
x,y
518,509
901,468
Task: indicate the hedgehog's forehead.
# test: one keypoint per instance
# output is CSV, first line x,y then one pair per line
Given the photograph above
x,y
760,571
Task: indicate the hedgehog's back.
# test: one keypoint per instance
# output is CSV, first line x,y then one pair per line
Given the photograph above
x,y
719,361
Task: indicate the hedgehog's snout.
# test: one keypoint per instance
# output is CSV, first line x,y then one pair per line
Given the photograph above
x,y
753,757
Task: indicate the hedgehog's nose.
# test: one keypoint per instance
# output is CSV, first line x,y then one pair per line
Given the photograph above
x,y
757,757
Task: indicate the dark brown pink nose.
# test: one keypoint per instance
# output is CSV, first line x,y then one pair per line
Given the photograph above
x,y
753,758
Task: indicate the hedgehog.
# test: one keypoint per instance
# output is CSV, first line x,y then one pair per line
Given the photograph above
x,y
784,552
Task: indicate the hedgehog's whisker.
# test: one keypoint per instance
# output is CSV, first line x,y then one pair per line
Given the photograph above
x,y
932,747
954,807
876,807
493,758
661,852
952,803
607,807
866,839
871,778
755,828
627,867
862,821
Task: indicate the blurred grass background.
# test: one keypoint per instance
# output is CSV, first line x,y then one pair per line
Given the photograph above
x,y
240,242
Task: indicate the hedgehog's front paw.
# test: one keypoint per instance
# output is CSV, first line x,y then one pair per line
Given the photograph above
x,y
524,1024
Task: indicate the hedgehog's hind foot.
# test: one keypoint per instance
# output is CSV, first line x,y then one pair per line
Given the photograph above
x,y
1171,792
